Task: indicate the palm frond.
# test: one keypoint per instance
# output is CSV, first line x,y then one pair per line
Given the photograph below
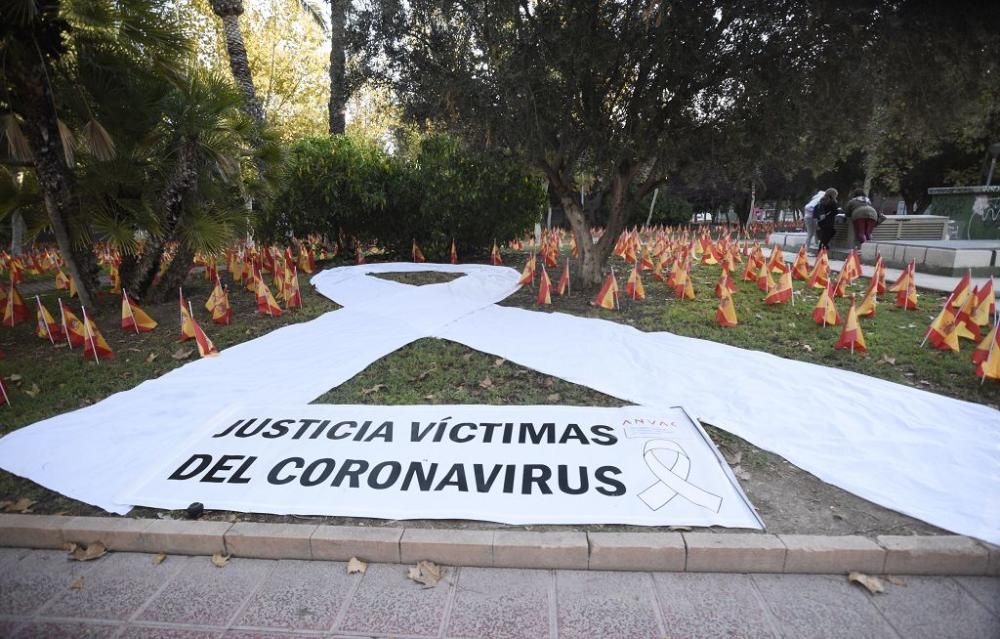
x,y
66,138
315,11
98,141
17,143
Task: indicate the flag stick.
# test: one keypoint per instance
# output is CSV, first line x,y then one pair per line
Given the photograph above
x,y
47,330
62,315
89,333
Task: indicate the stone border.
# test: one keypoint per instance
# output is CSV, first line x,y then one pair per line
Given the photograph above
x,y
641,551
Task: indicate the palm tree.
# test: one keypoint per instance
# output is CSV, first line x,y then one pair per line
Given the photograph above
x,y
230,11
44,45
338,81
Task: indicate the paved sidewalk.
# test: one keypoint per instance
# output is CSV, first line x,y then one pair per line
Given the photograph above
x,y
42,594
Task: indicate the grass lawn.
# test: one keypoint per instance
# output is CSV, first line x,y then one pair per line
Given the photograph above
x,y
431,371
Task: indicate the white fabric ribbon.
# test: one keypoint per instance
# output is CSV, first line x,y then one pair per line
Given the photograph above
x,y
673,478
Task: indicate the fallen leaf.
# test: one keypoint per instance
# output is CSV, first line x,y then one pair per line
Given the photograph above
x,y
86,553
554,397
374,389
486,382
807,348
887,360
14,378
549,383
356,565
467,356
431,396
741,473
159,559
77,584
735,458
151,357
426,572
873,584
895,581
182,353
69,546
498,362
33,391
219,560
22,505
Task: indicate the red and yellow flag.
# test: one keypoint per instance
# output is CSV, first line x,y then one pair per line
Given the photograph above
x,y
963,290
852,266
417,254
495,258
776,263
94,344
633,285
205,346
985,304
987,356
782,291
291,292
725,284
222,313
73,328
562,287
943,331
967,327
906,299
187,330
825,312
266,304
851,336
725,314
4,397
62,281
607,297
46,325
528,274
904,278
982,349
134,318
307,259
454,252
800,269
544,288
869,301
15,311
359,255
764,280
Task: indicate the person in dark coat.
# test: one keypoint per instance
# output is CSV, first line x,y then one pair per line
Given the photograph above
x,y
863,215
825,213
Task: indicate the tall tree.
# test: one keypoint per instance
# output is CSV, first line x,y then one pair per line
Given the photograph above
x,y
230,11
338,80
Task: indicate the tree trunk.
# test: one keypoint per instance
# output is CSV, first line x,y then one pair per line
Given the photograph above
x,y
17,233
338,83
238,62
173,278
56,181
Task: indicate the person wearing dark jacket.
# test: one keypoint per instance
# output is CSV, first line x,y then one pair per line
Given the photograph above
x,y
825,213
863,215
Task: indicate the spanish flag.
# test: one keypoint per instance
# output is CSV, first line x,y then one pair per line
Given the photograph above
x,y
418,255
293,296
982,350
46,325
187,331
14,311
222,313
782,292
205,346
906,299
495,258
870,300
904,278
878,276
544,288
307,259
607,297
94,344
4,397
725,314
987,357
685,289
851,336
562,287
764,280
134,318
943,331
820,276
62,281
750,272
825,311
967,327
454,252
852,266
776,263
633,285
985,304
73,328
359,255
800,269
528,274
266,304
963,290
645,261
840,287
725,284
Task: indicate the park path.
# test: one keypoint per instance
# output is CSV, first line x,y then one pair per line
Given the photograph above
x,y
120,595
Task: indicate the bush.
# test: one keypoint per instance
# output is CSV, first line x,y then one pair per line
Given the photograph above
x,y
670,210
443,191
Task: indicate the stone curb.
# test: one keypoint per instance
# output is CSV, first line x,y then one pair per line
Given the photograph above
x,y
638,551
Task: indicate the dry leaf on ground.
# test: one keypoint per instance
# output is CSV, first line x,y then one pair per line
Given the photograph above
x,y
219,560
741,473
486,382
895,581
77,584
554,397
873,584
498,362
807,348
426,573
87,553
33,391
151,357
159,559
887,360
467,356
374,389
14,378
22,505
183,353
356,565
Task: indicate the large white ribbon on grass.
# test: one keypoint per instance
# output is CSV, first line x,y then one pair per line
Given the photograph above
x,y
926,455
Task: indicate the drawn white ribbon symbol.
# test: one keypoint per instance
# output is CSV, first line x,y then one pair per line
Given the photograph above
x,y
672,479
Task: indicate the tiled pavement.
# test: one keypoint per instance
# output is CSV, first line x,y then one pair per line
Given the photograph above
x,y
126,595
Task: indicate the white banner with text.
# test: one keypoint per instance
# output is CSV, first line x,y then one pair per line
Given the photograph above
x,y
509,464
